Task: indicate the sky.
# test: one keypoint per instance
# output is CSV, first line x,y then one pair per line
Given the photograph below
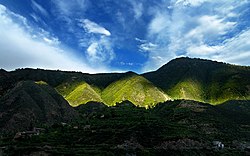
x,y
98,36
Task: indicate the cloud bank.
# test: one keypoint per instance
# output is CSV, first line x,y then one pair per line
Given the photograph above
x,y
198,28
22,46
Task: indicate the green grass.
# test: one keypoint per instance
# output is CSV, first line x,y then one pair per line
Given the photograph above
x,y
41,83
136,89
188,89
202,80
78,93
82,94
133,88
183,78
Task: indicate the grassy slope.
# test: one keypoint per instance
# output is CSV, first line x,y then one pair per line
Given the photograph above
x,y
182,78
77,93
202,80
230,84
136,89
189,89
133,88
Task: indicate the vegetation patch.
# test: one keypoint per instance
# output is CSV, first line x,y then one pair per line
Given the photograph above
x,y
136,89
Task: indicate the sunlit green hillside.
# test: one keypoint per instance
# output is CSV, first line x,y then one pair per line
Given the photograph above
x,y
136,89
78,93
131,87
202,80
182,78
188,89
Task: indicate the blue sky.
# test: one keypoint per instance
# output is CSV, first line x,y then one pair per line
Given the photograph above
x,y
120,35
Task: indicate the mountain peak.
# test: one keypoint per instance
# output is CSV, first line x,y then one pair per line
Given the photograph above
x,y
131,73
2,70
191,61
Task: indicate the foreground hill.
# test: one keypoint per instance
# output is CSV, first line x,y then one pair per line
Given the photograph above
x,y
28,104
171,128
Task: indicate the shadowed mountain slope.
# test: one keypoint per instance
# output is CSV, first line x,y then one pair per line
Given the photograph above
x,y
181,127
182,78
29,104
202,80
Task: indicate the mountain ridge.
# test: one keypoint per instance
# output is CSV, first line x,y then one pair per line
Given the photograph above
x,y
215,80
75,110
182,78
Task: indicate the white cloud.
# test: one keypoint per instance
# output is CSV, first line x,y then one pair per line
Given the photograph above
x,y
210,26
196,28
121,19
20,49
126,63
203,50
100,51
68,8
194,3
35,17
92,50
37,7
92,27
51,41
145,46
137,8
160,22
236,50
98,44
95,40
140,40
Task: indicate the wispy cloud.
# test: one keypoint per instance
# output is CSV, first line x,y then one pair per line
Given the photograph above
x,y
37,7
236,49
100,51
69,8
191,28
145,46
160,22
137,7
92,27
99,47
21,48
210,27
190,2
93,39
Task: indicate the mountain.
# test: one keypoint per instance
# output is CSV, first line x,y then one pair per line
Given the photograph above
x,y
31,103
131,86
78,93
180,121
56,78
136,89
6,81
182,78
202,80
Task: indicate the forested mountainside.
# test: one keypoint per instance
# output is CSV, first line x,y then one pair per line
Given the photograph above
x,y
190,104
